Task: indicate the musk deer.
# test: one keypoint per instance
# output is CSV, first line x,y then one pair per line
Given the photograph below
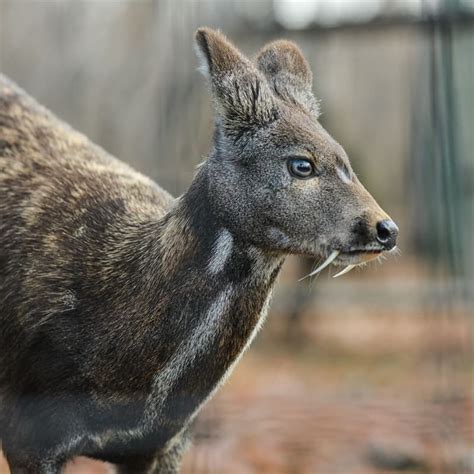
x,y
123,309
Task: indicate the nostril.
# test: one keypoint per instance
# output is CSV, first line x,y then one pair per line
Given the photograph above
x,y
383,232
387,232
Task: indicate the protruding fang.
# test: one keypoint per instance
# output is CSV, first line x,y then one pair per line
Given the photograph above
x,y
326,262
346,270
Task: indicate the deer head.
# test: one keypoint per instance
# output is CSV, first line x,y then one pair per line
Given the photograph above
x,y
277,179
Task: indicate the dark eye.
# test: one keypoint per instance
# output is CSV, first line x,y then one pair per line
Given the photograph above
x,y
301,168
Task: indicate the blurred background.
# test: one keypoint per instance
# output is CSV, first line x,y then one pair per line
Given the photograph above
x,y
369,373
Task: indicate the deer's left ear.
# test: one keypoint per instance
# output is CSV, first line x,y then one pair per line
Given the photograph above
x,y
241,94
288,73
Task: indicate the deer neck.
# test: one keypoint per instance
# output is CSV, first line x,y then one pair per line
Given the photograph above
x,y
217,288
196,245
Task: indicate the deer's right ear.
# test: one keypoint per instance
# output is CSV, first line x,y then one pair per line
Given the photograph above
x,y
240,92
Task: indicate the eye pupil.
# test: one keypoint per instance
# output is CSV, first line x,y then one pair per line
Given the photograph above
x,y
301,168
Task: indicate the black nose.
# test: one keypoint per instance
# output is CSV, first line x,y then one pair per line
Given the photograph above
x,y
387,232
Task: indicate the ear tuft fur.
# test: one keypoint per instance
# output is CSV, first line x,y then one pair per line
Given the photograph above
x,y
242,97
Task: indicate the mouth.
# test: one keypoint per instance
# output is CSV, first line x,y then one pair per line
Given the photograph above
x,y
350,259
356,256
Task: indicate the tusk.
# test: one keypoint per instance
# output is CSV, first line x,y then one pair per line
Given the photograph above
x,y
326,262
346,270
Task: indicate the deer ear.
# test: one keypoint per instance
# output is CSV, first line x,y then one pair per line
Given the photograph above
x,y
288,74
217,55
241,94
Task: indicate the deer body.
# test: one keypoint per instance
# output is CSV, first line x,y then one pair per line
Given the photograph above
x,y
123,309
160,274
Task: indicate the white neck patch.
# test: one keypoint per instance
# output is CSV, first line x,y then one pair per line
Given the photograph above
x,y
221,251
